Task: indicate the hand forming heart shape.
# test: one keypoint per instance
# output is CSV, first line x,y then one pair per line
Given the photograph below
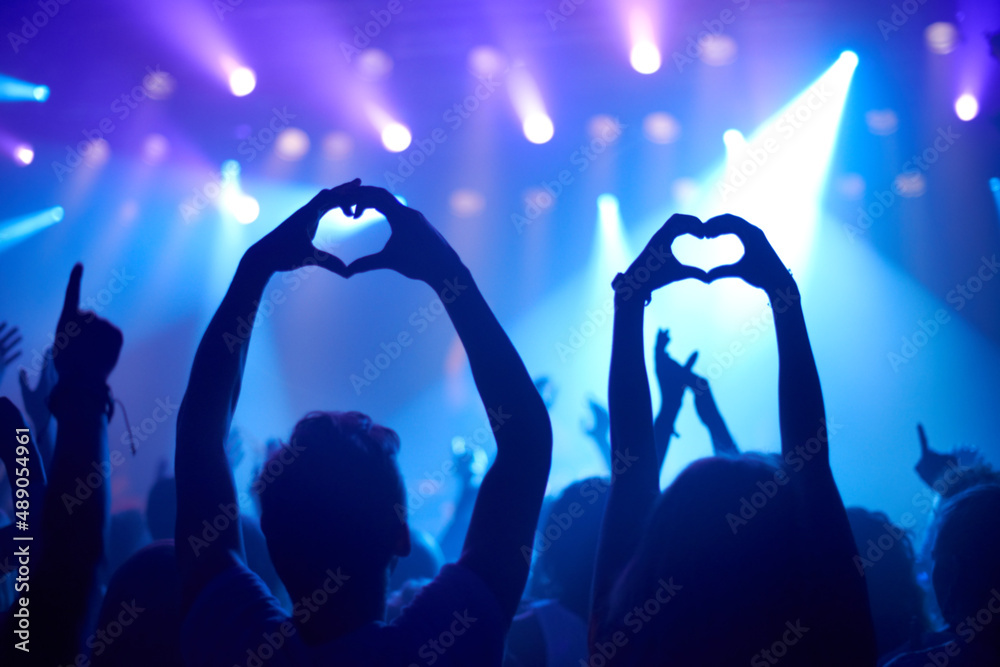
x,y
656,265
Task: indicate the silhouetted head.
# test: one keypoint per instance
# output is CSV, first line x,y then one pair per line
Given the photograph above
x,y
887,560
140,618
567,543
126,534
966,554
333,497
161,509
721,549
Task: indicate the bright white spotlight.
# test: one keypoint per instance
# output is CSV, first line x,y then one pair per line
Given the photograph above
x,y
242,81
607,206
645,57
243,207
941,37
395,137
966,107
24,155
849,59
230,170
292,144
538,128
734,139
40,93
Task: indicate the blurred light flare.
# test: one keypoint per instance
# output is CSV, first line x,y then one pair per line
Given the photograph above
x,y
18,229
396,137
718,50
242,81
16,90
941,37
24,155
527,100
645,58
967,107
538,128
661,128
292,144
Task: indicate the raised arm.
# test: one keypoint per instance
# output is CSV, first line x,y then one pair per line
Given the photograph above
x,y
722,441
673,380
36,404
205,488
510,497
800,398
634,488
73,523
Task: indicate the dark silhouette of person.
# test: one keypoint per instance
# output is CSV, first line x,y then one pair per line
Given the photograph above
x,y
335,515
742,559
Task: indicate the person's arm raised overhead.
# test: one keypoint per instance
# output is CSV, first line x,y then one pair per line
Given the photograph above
x,y
722,441
635,476
673,380
36,404
205,489
73,526
9,340
800,397
828,547
510,496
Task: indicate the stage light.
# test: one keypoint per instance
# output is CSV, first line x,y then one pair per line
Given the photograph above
x,y
718,50
466,203
396,137
337,145
645,58
538,128
292,144
910,184
155,149
18,229
734,140
685,191
97,152
661,128
966,107
242,81
230,171
374,64
486,61
528,104
24,155
603,126
159,85
995,184
851,186
15,90
941,37
848,59
881,122
242,207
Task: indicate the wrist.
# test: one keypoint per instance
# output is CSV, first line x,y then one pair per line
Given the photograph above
x,y
784,296
80,396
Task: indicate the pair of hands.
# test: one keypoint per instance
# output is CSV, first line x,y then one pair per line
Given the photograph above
x,y
760,266
415,249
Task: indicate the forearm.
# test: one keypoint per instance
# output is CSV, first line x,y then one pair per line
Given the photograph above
x,y
73,532
800,397
663,427
633,488
516,411
204,481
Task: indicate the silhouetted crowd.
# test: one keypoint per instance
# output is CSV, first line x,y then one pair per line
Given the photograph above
x,y
745,558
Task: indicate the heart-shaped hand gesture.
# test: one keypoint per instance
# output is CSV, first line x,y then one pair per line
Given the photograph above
x,y
289,246
92,343
656,265
760,266
415,249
